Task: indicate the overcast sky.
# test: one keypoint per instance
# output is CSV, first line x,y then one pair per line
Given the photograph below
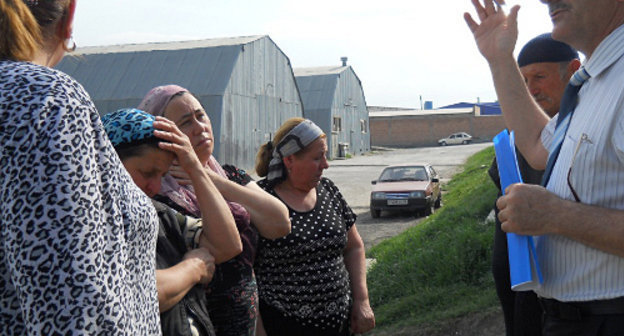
x,y
400,49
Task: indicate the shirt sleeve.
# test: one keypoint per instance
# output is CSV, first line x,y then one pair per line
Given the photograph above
x,y
348,215
193,229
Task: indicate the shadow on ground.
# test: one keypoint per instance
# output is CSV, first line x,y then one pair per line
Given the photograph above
x,y
486,323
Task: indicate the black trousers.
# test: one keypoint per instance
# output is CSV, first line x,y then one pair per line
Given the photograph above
x,y
521,310
594,318
599,325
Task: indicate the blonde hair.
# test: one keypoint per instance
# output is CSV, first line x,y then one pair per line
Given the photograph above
x,y
263,158
25,29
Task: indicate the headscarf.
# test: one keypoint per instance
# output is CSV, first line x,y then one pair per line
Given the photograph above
x,y
155,103
128,126
297,139
157,99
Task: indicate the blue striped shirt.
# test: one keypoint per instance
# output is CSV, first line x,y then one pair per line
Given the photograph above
x,y
593,151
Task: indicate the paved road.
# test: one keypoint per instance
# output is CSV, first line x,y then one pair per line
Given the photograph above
x,y
353,176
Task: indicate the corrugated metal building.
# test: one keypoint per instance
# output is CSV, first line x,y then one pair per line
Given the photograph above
x,y
246,85
334,99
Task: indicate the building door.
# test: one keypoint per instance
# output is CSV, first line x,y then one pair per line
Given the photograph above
x,y
336,128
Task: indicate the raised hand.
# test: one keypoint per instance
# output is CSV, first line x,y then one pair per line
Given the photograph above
x,y
497,33
176,142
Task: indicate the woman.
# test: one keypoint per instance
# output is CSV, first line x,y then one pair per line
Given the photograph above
x,y
312,281
78,237
232,294
181,264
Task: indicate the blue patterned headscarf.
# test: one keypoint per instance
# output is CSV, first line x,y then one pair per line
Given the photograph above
x,y
127,126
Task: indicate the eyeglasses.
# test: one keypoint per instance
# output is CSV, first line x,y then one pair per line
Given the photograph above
x,y
584,138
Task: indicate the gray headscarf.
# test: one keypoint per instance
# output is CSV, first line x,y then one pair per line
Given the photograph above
x,y
297,139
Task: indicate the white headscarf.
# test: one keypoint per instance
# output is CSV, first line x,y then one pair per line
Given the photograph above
x,y
297,139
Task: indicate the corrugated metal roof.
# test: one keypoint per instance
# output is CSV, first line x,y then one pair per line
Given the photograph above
x,y
315,71
317,92
178,45
204,67
317,85
492,108
335,92
407,113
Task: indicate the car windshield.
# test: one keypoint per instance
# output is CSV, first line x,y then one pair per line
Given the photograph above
x,y
415,173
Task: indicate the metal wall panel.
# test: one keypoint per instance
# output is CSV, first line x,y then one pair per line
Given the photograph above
x,y
246,85
330,92
260,96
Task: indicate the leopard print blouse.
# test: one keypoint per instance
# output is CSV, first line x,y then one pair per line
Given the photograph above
x,y
77,237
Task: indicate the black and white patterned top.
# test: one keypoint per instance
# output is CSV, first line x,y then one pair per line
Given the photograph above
x,y
77,237
303,274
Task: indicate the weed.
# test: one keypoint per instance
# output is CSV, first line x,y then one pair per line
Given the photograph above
x,y
440,268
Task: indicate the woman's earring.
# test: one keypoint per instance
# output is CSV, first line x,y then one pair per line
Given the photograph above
x,y
70,47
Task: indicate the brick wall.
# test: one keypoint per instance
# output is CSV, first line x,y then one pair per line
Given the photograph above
x,y
414,131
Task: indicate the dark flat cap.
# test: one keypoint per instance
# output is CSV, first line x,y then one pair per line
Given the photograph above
x,y
543,49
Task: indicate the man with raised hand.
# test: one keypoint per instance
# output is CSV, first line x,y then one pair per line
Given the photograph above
x,y
578,216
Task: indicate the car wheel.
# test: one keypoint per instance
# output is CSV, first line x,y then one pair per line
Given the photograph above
x,y
429,210
438,202
375,213
465,142
443,143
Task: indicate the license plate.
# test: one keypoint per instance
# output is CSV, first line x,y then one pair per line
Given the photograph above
x,y
397,202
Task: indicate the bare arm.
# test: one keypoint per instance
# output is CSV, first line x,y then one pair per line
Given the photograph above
x,y
268,214
219,233
496,38
529,210
260,326
362,317
521,112
174,282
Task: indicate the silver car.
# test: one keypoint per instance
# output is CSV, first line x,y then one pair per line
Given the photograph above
x,y
462,138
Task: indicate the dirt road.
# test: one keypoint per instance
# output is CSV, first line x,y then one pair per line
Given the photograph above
x,y
353,176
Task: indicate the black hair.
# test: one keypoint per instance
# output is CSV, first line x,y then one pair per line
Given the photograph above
x,y
137,148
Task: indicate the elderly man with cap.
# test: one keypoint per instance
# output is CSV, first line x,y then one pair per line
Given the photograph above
x,y
546,66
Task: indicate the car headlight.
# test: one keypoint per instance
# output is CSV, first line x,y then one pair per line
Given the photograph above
x,y
378,195
417,194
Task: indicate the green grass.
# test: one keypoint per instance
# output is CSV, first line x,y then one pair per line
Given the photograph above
x,y
439,269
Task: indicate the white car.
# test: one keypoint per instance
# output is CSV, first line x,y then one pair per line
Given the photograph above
x,y
456,139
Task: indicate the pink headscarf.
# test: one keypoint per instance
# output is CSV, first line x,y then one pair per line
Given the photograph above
x,y
155,103
157,99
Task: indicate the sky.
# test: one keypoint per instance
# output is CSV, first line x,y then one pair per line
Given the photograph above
x,y
403,51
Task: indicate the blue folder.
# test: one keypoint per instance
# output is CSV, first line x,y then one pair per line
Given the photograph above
x,y
524,269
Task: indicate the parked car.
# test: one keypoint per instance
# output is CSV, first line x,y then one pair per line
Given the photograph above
x,y
456,139
409,187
